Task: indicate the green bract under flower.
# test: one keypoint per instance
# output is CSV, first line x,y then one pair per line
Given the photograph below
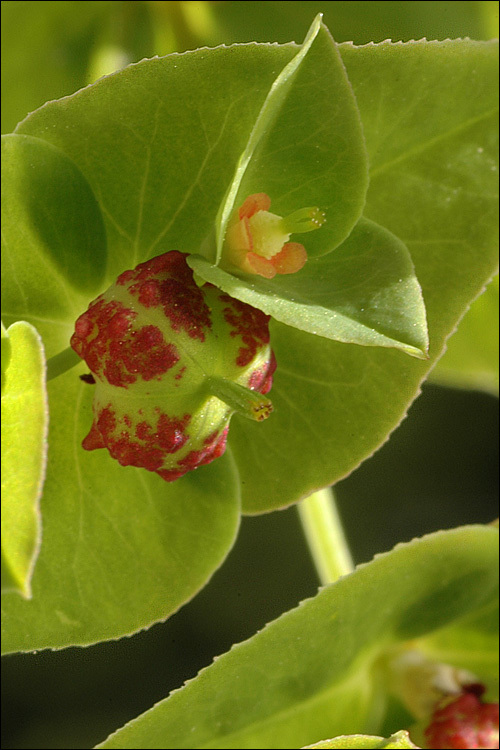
x,y
172,363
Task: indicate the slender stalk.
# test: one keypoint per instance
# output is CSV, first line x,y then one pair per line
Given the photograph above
x,y
62,362
325,536
250,404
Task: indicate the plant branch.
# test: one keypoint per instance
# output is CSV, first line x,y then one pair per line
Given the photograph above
x,y
61,362
325,536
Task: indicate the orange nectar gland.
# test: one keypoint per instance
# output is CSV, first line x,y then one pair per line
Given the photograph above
x,y
257,241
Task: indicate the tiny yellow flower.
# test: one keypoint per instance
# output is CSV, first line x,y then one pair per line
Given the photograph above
x,y
257,240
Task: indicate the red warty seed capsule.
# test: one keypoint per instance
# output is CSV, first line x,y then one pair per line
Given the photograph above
x,y
172,362
464,722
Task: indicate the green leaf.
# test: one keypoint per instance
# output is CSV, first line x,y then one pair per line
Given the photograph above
x,y
471,357
53,238
314,672
24,450
337,403
365,293
49,58
159,142
306,147
470,643
433,178
122,548
358,22
6,352
398,740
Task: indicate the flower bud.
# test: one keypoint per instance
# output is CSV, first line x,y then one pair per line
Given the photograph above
x,y
172,362
257,241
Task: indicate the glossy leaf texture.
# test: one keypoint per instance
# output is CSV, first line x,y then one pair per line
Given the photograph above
x,y
283,688
24,454
365,292
53,242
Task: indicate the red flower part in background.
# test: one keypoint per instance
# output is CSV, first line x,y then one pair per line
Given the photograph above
x,y
257,241
464,722
172,362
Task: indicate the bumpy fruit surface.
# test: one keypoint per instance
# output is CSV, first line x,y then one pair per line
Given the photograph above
x,y
464,722
171,363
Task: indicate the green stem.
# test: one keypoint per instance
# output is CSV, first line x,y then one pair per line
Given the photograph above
x,y
62,362
325,536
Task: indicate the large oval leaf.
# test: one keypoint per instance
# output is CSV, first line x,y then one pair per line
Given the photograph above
x,y
122,548
312,673
433,184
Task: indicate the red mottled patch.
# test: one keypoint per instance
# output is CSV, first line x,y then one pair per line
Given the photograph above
x,y
167,282
125,277
106,433
148,354
181,372
105,338
128,453
170,475
171,436
250,324
168,434
215,445
261,380
93,440
464,721
84,326
106,421
149,293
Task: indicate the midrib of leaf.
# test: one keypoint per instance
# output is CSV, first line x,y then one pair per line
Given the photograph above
x,y
143,187
421,147
195,182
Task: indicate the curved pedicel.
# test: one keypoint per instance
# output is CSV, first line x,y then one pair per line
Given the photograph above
x,y
172,362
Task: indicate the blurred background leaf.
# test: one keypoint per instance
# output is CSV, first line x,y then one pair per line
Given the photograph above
x,y
471,358
50,49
